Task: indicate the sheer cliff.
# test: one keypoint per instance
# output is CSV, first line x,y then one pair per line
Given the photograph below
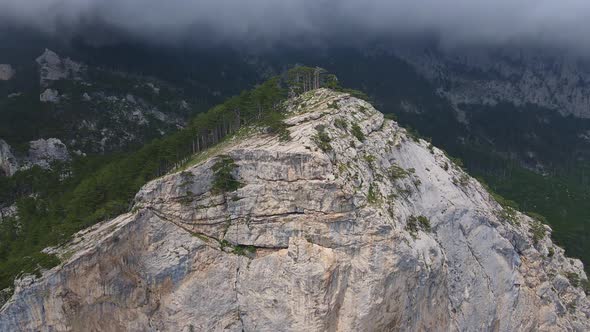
x,y
350,224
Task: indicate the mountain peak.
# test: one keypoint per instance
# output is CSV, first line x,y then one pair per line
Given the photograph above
x,y
349,222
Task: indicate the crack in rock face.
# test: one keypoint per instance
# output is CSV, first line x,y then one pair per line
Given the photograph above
x,y
379,232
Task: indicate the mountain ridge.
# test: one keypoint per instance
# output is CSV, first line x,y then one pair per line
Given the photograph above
x,y
351,224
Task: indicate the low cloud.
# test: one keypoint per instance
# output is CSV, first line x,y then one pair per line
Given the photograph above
x,y
550,23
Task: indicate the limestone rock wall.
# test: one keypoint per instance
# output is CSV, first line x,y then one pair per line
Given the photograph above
x,y
373,233
42,153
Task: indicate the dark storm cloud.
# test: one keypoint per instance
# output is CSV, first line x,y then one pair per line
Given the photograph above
x,y
555,23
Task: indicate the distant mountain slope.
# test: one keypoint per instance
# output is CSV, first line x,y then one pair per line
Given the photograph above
x,y
90,109
517,75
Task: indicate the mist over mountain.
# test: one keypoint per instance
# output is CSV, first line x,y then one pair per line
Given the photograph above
x,y
265,23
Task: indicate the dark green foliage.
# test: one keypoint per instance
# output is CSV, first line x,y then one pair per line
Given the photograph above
x,y
415,224
508,214
373,196
244,250
537,231
424,223
457,161
505,203
370,159
322,139
224,243
390,116
274,121
355,93
537,217
573,278
395,173
463,180
413,133
358,132
341,123
301,79
224,181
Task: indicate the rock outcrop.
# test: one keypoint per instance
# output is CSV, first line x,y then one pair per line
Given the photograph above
x,y
49,96
351,225
8,212
6,72
8,163
42,153
54,68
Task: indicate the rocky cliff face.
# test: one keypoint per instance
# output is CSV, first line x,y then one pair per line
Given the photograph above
x,y
6,72
8,163
53,68
512,75
352,225
42,153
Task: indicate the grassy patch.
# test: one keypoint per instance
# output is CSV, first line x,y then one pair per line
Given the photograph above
x,y
538,232
370,159
573,278
417,223
395,173
333,105
508,214
358,132
373,196
341,123
244,250
322,139
462,180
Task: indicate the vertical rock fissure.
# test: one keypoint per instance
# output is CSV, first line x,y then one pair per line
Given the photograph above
x,y
236,289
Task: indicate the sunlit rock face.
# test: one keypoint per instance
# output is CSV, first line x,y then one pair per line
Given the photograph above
x,y
374,231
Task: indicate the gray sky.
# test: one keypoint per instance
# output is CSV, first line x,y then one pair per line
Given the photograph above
x,y
554,23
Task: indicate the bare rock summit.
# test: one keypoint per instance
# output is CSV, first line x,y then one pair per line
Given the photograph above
x,y
351,225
